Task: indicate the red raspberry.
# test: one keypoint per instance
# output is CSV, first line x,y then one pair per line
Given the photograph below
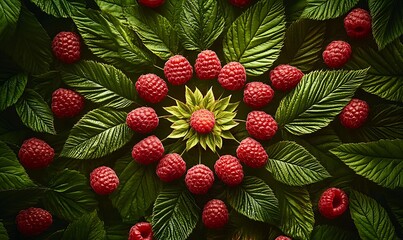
x,y
103,180
215,214
33,221
240,3
232,76
35,153
151,88
142,120
355,114
202,121
148,150
282,238
141,231
336,54
199,179
257,94
261,125
171,167
229,170
333,203
66,103
285,77
66,47
358,23
151,3
207,65
178,70
252,153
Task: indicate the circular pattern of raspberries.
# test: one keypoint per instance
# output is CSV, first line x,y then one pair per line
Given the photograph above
x,y
199,179
142,120
66,103
66,47
332,203
141,231
35,153
355,114
215,214
33,221
103,180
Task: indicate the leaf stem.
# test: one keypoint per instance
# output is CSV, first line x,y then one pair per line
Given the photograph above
x,y
239,120
199,154
160,68
165,116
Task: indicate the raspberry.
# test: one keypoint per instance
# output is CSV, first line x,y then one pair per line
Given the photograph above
x,y
261,125
199,179
151,3
252,153
178,70
142,120
229,170
355,114
333,203
232,76
202,121
215,214
171,167
33,221
207,65
257,94
358,23
151,88
148,150
35,153
282,238
103,180
336,54
285,77
66,103
240,3
141,231
66,47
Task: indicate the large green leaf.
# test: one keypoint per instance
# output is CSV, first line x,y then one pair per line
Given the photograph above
x,y
325,9
116,7
317,99
11,88
201,24
100,83
88,227
254,199
329,232
171,9
175,213
35,112
108,39
69,195
137,191
387,21
292,164
370,218
9,12
256,37
12,174
385,77
380,161
60,8
3,232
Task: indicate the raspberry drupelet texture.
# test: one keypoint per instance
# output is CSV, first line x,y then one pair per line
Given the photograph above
x,y
141,231
151,88
66,47
257,94
178,70
66,103
358,23
261,125
285,77
171,167
232,76
103,180
240,3
202,121
35,153
282,238
355,114
33,221
207,65
199,179
333,203
336,54
148,150
251,153
142,120
229,170
215,214
151,3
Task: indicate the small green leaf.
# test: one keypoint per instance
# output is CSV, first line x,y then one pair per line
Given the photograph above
x,y
222,104
88,226
329,232
9,12
11,88
180,124
324,9
210,142
227,135
175,111
3,232
60,8
178,133
192,141
208,100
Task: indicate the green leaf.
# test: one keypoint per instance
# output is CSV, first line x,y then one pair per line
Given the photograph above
x,y
69,195
370,218
115,7
387,21
11,88
256,37
12,174
108,39
35,112
3,232
9,12
254,199
60,8
100,83
175,213
98,133
292,164
154,30
380,161
88,226
317,99
200,25
137,191
324,9
329,232
171,9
